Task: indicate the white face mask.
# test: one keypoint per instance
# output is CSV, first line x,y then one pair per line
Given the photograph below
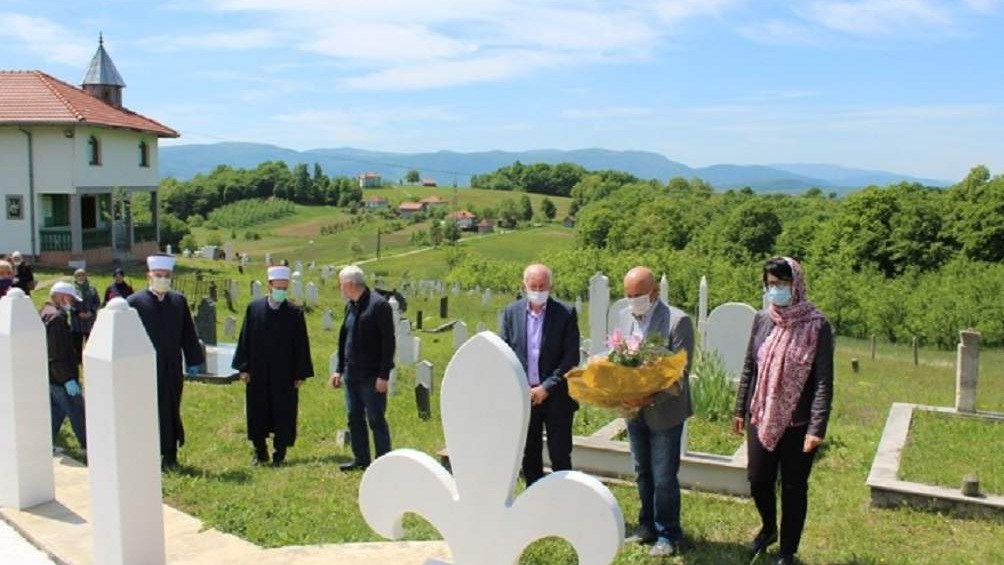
x,y
639,304
160,285
537,297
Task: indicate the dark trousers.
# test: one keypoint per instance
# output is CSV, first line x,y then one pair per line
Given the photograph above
x,y
656,456
557,420
261,448
795,467
78,345
64,406
366,406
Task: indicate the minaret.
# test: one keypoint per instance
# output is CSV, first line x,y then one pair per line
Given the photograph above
x,y
103,80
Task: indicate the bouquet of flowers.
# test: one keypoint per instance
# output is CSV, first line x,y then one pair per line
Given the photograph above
x,y
634,369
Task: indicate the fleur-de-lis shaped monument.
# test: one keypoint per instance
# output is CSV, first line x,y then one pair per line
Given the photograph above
x,y
485,405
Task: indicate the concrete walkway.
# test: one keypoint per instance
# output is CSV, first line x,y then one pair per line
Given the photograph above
x,y
15,549
61,530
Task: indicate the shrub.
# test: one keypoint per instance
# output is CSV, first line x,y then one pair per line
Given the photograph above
x,y
711,388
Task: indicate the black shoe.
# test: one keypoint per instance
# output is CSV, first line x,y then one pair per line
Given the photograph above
x,y
763,540
353,466
786,560
169,464
642,534
279,457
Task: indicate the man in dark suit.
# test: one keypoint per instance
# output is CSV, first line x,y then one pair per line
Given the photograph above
x,y
544,334
365,359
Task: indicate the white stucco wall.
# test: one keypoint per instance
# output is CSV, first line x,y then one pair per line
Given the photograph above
x,y
14,234
119,159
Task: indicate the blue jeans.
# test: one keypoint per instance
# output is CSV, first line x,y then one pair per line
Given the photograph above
x,y
366,406
63,406
656,457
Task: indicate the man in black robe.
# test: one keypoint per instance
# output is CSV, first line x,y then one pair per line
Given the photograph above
x,y
273,357
168,323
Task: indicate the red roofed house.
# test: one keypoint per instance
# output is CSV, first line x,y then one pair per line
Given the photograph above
x,y
370,180
409,209
376,203
428,182
464,219
63,150
434,201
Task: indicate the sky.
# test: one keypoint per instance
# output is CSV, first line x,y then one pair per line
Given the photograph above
x,y
910,86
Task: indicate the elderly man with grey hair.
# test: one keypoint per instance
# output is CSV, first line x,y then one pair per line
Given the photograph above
x,y
544,334
365,359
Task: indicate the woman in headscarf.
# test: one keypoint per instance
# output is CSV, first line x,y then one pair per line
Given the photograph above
x,y
783,402
84,312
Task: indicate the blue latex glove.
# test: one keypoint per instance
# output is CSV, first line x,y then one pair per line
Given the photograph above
x,y
195,370
72,388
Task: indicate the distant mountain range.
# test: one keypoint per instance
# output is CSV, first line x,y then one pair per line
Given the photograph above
x,y
447,167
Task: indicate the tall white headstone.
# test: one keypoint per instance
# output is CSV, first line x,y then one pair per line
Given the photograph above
x,y
728,333
169,250
486,297
296,290
459,334
599,304
257,290
967,371
298,267
664,289
395,307
479,494
313,298
702,310
328,321
26,477
127,521
228,250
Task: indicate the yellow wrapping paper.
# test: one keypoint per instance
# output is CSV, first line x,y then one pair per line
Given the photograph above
x,y
608,384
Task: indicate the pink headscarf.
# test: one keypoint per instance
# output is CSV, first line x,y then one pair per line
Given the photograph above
x,y
784,361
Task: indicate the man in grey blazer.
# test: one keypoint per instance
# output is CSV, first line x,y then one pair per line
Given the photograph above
x,y
656,432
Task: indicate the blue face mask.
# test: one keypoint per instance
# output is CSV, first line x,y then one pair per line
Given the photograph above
x,y
279,294
779,295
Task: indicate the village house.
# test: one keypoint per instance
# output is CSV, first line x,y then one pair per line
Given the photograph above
x,y
464,219
370,180
376,203
409,209
76,167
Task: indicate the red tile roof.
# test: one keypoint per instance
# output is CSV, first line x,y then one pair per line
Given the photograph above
x,y
33,97
414,206
462,215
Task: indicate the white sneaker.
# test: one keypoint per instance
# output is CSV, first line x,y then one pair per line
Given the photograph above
x,y
662,548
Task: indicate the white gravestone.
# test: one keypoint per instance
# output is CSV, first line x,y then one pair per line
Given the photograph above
x,y
230,327
395,308
456,289
169,250
416,349
298,267
328,321
257,290
26,477
228,251
296,290
664,289
187,253
268,259
459,334
599,303
614,316
486,298
405,346
209,252
127,521
729,327
313,298
967,371
702,311
486,442
235,290
578,306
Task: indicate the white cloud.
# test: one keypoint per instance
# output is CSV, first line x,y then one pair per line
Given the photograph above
x,y
871,17
47,39
416,44
240,40
605,112
984,6
780,32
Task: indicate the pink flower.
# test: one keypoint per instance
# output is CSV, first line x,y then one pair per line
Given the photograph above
x,y
616,340
634,343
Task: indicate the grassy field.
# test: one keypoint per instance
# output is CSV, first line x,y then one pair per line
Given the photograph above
x,y
964,446
310,502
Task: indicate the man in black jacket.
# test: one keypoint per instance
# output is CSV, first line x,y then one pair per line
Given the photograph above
x,y
544,334
65,396
365,359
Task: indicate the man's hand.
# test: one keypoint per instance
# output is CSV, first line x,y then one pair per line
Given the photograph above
x,y
335,381
538,395
245,378
639,402
738,425
811,443
296,384
381,386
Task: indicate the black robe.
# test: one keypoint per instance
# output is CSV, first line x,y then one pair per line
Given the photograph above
x,y
171,330
275,350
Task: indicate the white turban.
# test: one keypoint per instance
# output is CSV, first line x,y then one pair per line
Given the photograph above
x,y
278,273
160,263
64,288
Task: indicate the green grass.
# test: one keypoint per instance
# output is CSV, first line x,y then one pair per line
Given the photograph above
x,y
963,445
310,502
